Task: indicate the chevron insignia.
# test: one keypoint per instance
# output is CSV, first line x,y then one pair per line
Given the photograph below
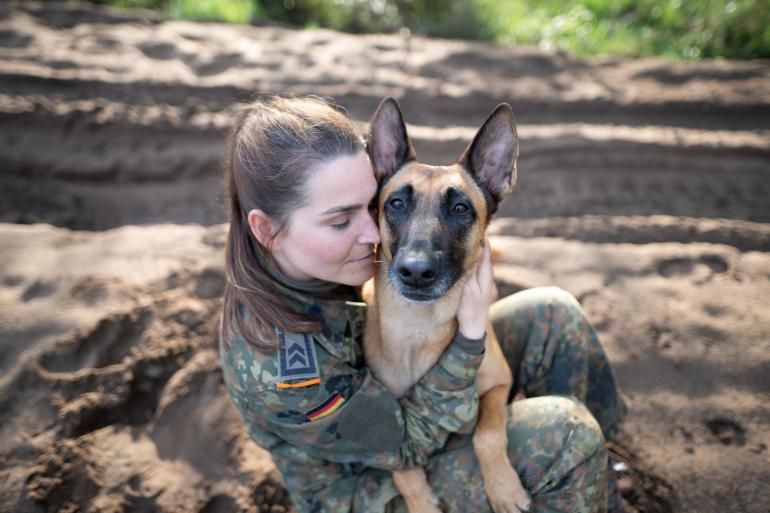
x,y
296,356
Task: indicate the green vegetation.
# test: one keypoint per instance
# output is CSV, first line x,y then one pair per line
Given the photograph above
x,y
233,11
687,29
683,29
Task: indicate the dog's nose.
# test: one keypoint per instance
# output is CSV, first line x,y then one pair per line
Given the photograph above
x,y
417,271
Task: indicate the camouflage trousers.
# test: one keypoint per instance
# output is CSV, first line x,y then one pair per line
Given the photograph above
x,y
553,349
556,436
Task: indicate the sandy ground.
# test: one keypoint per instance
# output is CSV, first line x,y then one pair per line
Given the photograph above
x,y
643,190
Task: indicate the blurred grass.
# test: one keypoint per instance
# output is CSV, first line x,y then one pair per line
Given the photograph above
x,y
230,11
688,29
680,29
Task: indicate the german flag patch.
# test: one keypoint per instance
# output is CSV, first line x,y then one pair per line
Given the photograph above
x,y
327,407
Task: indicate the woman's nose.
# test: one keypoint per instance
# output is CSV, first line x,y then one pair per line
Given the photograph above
x,y
370,233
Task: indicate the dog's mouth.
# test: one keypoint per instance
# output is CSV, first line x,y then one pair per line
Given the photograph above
x,y
420,298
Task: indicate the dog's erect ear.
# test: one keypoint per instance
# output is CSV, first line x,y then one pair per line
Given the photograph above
x,y
491,157
389,145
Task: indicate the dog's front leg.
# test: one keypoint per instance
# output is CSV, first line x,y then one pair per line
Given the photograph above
x,y
490,441
414,487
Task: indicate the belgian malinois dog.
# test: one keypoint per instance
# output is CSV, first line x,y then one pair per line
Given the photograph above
x,y
432,222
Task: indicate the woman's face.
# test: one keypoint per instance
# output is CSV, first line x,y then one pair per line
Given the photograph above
x,y
332,236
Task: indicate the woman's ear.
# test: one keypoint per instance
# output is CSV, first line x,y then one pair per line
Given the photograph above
x,y
263,228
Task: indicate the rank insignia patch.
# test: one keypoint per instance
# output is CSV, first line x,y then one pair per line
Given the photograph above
x,y
296,356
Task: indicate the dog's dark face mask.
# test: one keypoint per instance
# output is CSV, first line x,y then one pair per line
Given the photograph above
x,y
430,223
432,218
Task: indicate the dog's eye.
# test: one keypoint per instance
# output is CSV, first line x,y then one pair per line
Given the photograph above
x,y
396,204
459,208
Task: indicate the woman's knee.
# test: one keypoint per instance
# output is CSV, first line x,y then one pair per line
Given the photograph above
x,y
552,312
563,418
548,300
585,437
554,437
539,323
565,319
561,302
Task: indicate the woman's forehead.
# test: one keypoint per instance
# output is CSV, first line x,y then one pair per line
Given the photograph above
x,y
343,181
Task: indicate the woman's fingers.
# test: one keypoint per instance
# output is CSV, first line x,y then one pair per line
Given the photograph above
x,y
484,271
477,296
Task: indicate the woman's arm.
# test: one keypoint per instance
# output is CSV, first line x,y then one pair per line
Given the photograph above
x,y
352,418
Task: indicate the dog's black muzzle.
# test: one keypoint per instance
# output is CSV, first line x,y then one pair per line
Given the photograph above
x,y
417,270
419,275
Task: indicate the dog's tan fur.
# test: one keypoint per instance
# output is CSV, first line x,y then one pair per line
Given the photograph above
x,y
403,340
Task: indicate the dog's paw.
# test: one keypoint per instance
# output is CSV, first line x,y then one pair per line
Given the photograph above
x,y
507,495
430,505
511,502
427,503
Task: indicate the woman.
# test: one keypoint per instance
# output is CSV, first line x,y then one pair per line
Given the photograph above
x,y
301,239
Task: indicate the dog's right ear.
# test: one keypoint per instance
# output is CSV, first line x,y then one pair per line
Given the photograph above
x,y
388,143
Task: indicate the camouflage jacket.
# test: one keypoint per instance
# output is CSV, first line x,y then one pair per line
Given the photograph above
x,y
333,430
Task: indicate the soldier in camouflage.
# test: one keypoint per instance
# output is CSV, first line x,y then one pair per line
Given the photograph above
x,y
306,395
334,439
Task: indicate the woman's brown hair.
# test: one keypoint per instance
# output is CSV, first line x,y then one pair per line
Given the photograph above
x,y
275,143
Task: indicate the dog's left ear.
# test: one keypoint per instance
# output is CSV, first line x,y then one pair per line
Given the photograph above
x,y
491,157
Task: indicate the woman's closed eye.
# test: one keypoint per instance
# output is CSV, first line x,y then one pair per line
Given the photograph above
x,y
341,224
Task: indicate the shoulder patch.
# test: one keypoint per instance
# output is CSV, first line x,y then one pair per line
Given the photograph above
x,y
296,356
365,422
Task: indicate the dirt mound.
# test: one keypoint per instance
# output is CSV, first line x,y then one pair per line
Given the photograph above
x,y
132,115
642,190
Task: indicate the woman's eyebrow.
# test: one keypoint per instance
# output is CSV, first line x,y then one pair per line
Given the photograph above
x,y
347,208
341,209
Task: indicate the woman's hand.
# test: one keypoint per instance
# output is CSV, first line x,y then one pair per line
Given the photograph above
x,y
477,296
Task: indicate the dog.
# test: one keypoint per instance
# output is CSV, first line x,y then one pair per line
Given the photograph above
x,y
432,223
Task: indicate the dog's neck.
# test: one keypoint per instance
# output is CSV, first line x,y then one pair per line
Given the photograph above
x,y
410,337
414,318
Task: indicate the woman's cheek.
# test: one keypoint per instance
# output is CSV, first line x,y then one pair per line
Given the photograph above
x,y
333,249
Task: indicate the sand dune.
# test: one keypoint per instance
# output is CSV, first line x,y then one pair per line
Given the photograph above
x,y
643,189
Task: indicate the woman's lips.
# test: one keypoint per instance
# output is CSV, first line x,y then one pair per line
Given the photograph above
x,y
365,258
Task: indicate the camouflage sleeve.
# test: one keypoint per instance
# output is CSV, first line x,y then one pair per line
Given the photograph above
x,y
350,417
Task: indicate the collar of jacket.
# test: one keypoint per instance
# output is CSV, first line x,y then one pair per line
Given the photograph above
x,y
342,321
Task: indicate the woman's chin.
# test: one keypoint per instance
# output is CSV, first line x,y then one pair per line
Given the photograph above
x,y
359,277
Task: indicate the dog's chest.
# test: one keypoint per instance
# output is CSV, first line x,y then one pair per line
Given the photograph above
x,y
408,349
